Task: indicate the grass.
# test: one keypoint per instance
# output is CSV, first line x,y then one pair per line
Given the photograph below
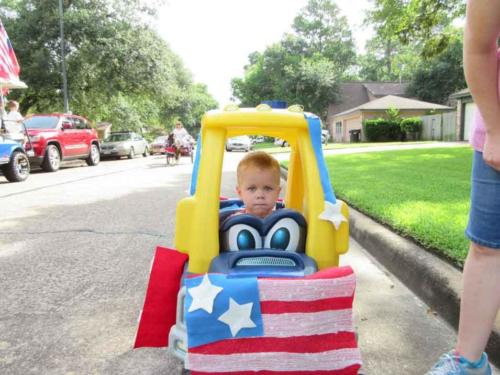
x,y
266,145
272,149
335,146
423,194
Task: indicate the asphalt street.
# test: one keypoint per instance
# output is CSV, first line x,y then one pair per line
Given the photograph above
x,y
75,252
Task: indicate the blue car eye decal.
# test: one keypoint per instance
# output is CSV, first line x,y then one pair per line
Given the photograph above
x,y
241,237
245,240
285,234
280,239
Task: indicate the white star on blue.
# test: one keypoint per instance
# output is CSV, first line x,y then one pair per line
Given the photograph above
x,y
204,327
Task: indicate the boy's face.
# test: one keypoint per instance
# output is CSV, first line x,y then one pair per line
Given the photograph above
x,y
258,189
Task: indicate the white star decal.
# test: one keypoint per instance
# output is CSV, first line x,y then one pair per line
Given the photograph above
x,y
333,213
203,295
237,316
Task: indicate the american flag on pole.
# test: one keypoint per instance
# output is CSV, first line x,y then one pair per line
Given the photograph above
x,y
9,67
272,326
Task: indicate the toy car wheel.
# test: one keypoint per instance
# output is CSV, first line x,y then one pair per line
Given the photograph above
x,y
131,153
52,160
146,152
18,169
94,156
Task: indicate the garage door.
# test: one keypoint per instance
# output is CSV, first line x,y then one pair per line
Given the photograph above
x,y
469,115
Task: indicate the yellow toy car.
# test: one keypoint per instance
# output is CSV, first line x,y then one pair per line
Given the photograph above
x,y
220,282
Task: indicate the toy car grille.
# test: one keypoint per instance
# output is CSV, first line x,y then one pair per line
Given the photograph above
x,y
266,261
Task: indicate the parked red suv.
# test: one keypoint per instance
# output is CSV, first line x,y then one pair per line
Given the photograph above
x,y
56,137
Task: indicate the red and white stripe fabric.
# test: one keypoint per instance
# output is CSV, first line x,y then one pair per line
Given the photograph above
x,y
9,67
308,329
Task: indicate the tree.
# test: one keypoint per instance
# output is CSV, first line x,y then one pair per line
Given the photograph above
x,y
388,60
119,70
423,21
323,31
442,75
305,66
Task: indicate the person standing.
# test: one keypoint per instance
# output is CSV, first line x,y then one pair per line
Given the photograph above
x,y
481,277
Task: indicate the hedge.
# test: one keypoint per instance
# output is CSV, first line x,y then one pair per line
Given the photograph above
x,y
381,129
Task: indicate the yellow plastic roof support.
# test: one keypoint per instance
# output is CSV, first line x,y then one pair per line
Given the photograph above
x,y
197,217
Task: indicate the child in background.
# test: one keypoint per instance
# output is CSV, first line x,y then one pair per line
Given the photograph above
x,y
258,186
13,122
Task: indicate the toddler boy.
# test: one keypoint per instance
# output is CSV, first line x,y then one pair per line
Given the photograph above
x,y
258,186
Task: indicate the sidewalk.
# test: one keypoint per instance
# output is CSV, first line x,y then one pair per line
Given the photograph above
x,y
432,279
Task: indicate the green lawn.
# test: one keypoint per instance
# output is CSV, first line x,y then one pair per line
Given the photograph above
x,y
271,148
423,194
266,145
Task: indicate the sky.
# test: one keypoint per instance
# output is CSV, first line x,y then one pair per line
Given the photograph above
x,y
215,37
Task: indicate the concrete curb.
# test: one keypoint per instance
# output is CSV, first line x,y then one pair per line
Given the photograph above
x,y
432,279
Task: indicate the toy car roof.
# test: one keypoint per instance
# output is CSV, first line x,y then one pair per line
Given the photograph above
x,y
256,121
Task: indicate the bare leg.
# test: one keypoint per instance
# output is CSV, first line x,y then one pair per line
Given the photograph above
x,y
480,300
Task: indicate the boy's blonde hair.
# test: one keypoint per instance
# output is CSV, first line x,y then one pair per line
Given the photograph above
x,y
260,160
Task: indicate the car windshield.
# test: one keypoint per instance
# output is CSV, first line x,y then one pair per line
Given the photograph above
x,y
161,139
118,137
242,138
41,122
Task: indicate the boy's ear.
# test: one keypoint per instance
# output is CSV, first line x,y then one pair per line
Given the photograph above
x,y
238,191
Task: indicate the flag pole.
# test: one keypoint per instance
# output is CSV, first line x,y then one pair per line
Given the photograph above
x,y
63,58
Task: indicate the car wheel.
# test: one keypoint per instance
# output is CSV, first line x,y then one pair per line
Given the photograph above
x,y
146,152
18,168
52,160
131,153
94,157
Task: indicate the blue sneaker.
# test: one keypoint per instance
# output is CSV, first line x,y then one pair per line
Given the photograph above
x,y
452,363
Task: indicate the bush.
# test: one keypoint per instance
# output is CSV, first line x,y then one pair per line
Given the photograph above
x,y
411,125
382,130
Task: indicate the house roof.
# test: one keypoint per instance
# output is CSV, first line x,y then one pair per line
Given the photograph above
x,y
380,89
353,94
461,94
392,101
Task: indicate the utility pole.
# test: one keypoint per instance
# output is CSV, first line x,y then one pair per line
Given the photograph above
x,y
63,58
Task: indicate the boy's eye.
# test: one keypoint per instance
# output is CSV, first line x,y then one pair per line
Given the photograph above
x,y
268,188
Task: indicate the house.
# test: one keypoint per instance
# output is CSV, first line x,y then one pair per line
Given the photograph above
x,y
364,100
465,107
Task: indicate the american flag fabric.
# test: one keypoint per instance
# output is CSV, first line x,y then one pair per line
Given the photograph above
x,y
305,325
9,67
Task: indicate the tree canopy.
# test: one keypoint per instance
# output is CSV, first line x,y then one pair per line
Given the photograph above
x,y
306,66
438,77
410,21
119,69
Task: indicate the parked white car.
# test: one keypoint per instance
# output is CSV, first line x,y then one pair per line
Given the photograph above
x,y
241,143
325,136
124,144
